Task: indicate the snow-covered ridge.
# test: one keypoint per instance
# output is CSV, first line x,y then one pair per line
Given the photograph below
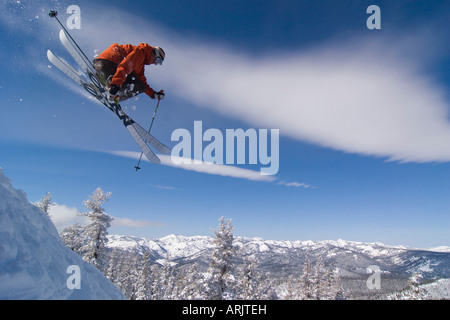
x,y
34,261
351,258
169,247
439,249
175,246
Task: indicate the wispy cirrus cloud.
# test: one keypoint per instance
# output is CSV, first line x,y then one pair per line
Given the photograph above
x,y
158,186
346,98
211,168
125,222
296,184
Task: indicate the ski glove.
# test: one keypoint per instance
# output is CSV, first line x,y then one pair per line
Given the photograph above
x,y
159,95
114,89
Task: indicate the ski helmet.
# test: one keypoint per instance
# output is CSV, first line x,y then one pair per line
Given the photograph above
x,y
160,55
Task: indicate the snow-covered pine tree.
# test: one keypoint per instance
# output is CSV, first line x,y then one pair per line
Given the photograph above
x,y
220,276
133,277
190,283
251,284
413,290
291,288
307,283
45,203
168,280
247,282
156,292
327,284
97,230
73,237
143,283
118,270
317,282
112,271
163,284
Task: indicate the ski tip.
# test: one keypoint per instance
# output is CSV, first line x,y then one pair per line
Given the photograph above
x,y
62,35
156,161
166,150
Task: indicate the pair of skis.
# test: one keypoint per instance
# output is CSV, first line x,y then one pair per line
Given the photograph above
x,y
92,84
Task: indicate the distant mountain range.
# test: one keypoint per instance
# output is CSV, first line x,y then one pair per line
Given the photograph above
x,y
349,259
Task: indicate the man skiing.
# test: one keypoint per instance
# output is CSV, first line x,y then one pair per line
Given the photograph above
x,y
122,68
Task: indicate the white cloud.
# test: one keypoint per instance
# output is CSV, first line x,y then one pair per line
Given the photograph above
x,y
64,216
296,184
158,186
213,169
343,98
208,168
125,222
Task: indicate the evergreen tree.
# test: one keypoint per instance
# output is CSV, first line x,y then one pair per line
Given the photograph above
x,y
307,285
143,284
247,282
156,291
163,282
97,230
413,290
220,273
292,288
112,271
327,285
73,237
45,203
190,284
167,281
315,283
251,283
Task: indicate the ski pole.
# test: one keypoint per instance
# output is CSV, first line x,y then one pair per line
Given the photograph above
x,y
151,124
53,14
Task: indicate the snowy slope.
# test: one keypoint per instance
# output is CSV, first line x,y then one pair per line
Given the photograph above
x,y
33,259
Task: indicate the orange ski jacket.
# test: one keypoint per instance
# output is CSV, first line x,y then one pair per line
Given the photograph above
x,y
130,58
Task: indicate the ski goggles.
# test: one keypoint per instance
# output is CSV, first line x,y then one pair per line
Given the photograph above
x,y
158,58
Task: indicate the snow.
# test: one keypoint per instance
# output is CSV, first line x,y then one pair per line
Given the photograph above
x,y
426,267
439,289
169,247
34,261
439,249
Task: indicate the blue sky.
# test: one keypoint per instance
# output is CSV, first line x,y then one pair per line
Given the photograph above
x,y
362,115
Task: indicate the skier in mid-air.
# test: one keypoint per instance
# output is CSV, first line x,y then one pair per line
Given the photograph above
x,y
122,67
120,70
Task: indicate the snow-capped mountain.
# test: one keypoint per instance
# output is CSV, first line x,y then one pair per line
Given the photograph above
x,y
349,259
35,263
